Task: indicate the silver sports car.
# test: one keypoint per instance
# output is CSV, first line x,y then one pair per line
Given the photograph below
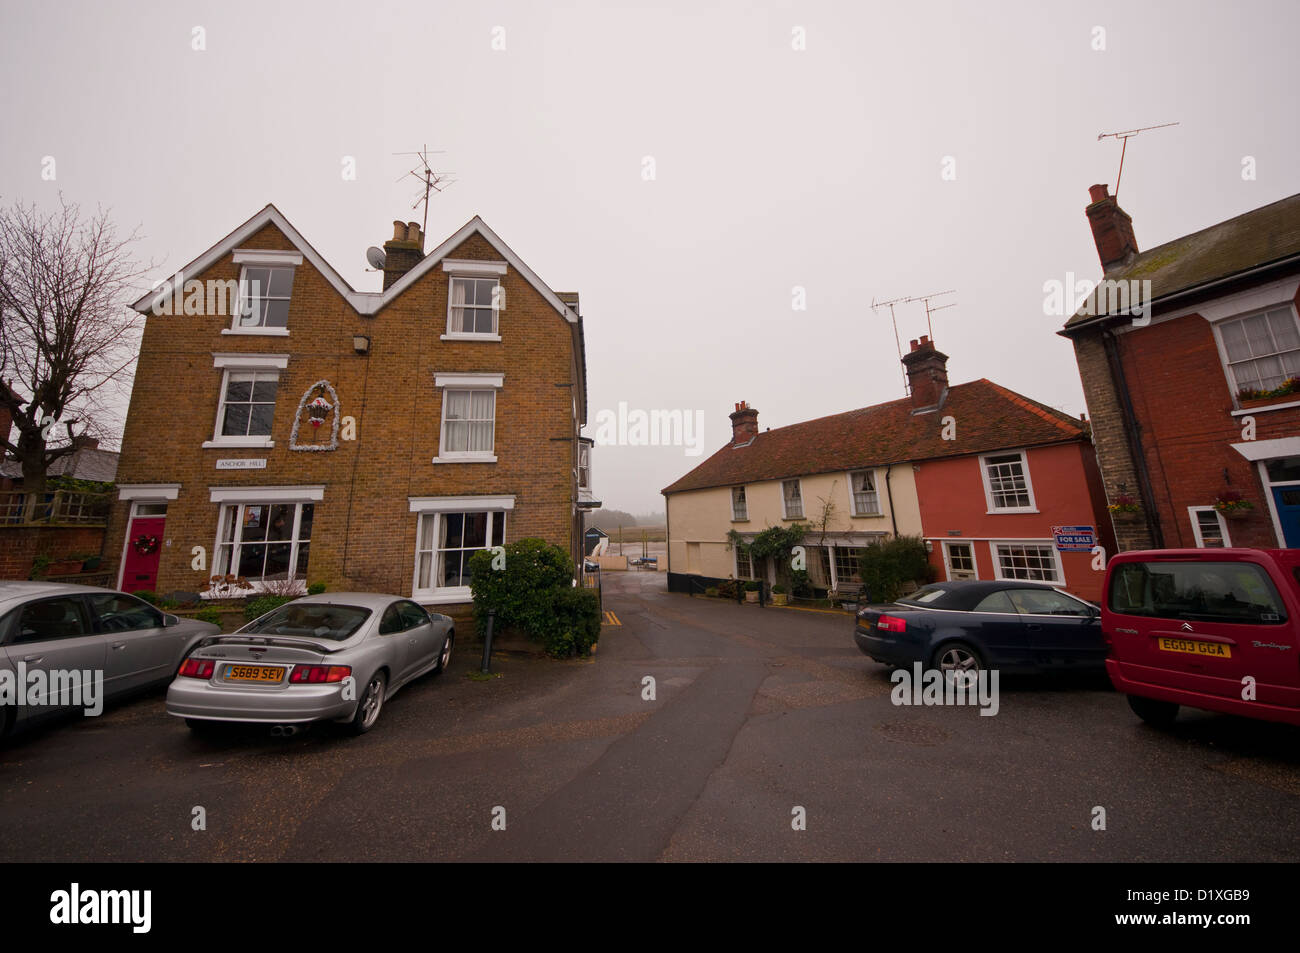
x,y
334,657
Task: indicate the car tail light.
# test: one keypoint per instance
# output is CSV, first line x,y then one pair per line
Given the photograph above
x,y
316,674
891,623
197,668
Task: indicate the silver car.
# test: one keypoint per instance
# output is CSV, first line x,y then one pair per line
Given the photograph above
x,y
65,647
334,657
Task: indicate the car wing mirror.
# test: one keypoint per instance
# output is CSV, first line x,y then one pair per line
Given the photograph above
x,y
170,620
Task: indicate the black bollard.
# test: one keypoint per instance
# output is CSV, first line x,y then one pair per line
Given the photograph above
x,y
487,643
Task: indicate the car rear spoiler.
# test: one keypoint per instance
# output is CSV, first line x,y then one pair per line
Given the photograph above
x,y
284,641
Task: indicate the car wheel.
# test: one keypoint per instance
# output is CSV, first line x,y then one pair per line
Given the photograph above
x,y
1154,712
953,657
368,708
445,657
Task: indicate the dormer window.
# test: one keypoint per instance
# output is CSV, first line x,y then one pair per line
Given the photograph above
x,y
265,288
475,299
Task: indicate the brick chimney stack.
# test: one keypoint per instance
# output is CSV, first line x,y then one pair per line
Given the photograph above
x,y
402,252
744,424
1112,230
927,375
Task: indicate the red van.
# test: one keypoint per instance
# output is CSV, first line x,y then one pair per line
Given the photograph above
x,y
1217,629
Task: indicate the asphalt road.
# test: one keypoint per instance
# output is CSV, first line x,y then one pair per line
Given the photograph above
x,y
756,713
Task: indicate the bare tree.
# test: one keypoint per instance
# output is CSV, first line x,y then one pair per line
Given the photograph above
x,y
67,335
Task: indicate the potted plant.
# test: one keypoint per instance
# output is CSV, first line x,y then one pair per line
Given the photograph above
x,y
779,597
751,591
1233,505
1125,509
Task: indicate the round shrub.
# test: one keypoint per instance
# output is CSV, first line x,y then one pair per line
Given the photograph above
x,y
575,622
316,588
522,590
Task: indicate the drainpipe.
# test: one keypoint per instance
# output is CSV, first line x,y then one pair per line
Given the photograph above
x,y
1110,345
890,491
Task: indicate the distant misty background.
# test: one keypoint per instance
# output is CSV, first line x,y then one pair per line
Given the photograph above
x,y
794,145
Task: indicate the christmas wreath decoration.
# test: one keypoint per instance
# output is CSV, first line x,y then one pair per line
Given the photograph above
x,y
145,544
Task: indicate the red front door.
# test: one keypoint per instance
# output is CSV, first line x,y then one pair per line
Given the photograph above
x,y
140,568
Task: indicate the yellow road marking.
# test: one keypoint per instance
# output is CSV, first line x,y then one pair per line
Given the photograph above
x,y
611,619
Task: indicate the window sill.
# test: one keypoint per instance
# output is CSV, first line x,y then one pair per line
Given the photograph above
x,y
1265,407
867,516
468,458
469,337
260,332
745,520
792,519
1007,512
442,596
235,443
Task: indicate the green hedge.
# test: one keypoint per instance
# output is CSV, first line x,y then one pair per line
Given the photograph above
x,y
264,604
886,568
534,593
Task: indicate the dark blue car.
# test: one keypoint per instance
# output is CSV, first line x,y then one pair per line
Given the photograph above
x,y
967,626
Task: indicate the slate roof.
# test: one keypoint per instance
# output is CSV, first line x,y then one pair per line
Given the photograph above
x,y
1267,234
989,417
83,464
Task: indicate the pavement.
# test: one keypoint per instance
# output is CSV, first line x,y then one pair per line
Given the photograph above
x,y
768,737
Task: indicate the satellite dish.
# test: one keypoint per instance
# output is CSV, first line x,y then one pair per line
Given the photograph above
x,y
376,257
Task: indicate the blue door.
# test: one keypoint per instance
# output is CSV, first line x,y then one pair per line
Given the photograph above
x,y
1287,499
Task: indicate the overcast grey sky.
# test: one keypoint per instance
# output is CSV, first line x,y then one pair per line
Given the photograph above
x,y
775,167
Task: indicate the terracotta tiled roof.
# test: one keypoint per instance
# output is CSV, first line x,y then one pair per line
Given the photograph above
x,y
1258,237
988,417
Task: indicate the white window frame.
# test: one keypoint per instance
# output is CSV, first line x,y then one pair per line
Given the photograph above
x,y
736,515
259,258
785,515
853,497
261,496
1229,375
239,363
1051,546
584,465
469,271
750,558
1192,512
988,486
947,557
463,382
434,507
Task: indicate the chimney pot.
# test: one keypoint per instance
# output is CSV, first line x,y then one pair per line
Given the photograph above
x,y
927,375
1112,230
399,231
744,424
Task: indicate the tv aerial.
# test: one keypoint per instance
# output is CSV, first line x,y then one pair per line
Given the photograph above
x,y
430,181
1125,136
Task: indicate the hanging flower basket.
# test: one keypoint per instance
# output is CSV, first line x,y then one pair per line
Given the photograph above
x,y
318,409
1125,509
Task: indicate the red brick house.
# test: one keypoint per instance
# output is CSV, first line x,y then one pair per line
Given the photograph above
x,y
301,429
1196,402
981,472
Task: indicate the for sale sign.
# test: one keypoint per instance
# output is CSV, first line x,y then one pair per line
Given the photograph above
x,y
1074,539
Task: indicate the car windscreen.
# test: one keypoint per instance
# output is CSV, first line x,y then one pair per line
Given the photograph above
x,y
312,620
1233,592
